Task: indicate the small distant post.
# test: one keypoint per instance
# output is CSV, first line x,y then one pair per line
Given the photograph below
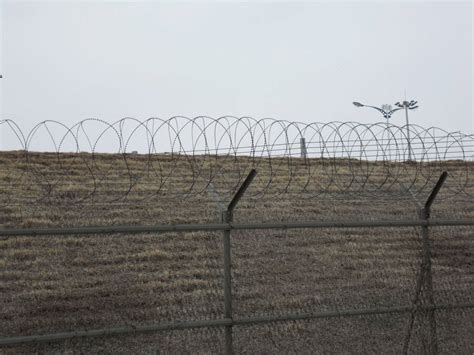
x,y
303,150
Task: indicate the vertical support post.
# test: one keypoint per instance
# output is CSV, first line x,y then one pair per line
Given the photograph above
x,y
425,215
303,150
405,104
227,217
388,145
426,276
428,281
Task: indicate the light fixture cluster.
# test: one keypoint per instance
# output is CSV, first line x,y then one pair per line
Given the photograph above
x,y
411,105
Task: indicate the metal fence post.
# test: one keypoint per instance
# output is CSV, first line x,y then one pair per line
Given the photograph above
x,y
428,281
426,276
227,217
303,149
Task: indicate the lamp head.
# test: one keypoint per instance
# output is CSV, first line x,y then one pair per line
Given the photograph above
x,y
357,104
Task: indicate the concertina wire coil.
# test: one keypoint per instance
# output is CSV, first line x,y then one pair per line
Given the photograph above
x,y
188,156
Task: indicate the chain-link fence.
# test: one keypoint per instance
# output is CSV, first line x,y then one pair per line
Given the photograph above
x,y
379,286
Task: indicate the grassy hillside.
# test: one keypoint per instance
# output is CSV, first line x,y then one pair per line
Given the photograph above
x,y
62,283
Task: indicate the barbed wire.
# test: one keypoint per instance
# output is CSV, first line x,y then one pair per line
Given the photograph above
x,y
139,160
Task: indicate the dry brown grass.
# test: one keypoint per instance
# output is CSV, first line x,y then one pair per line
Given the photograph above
x,y
62,283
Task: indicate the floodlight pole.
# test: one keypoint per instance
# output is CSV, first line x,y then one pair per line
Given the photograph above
x,y
407,105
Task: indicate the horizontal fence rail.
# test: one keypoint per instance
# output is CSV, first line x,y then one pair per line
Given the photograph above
x,y
165,228
179,325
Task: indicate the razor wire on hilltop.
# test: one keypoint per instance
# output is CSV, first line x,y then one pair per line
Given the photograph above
x,y
187,156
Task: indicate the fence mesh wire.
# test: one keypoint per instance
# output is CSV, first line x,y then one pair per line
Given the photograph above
x,y
278,272
351,335
66,283
55,284
187,341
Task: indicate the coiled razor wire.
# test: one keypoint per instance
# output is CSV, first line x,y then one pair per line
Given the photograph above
x,y
139,160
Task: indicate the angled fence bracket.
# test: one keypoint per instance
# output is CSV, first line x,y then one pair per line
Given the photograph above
x,y
425,212
227,217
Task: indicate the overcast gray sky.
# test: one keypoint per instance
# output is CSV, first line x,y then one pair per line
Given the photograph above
x,y
304,61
